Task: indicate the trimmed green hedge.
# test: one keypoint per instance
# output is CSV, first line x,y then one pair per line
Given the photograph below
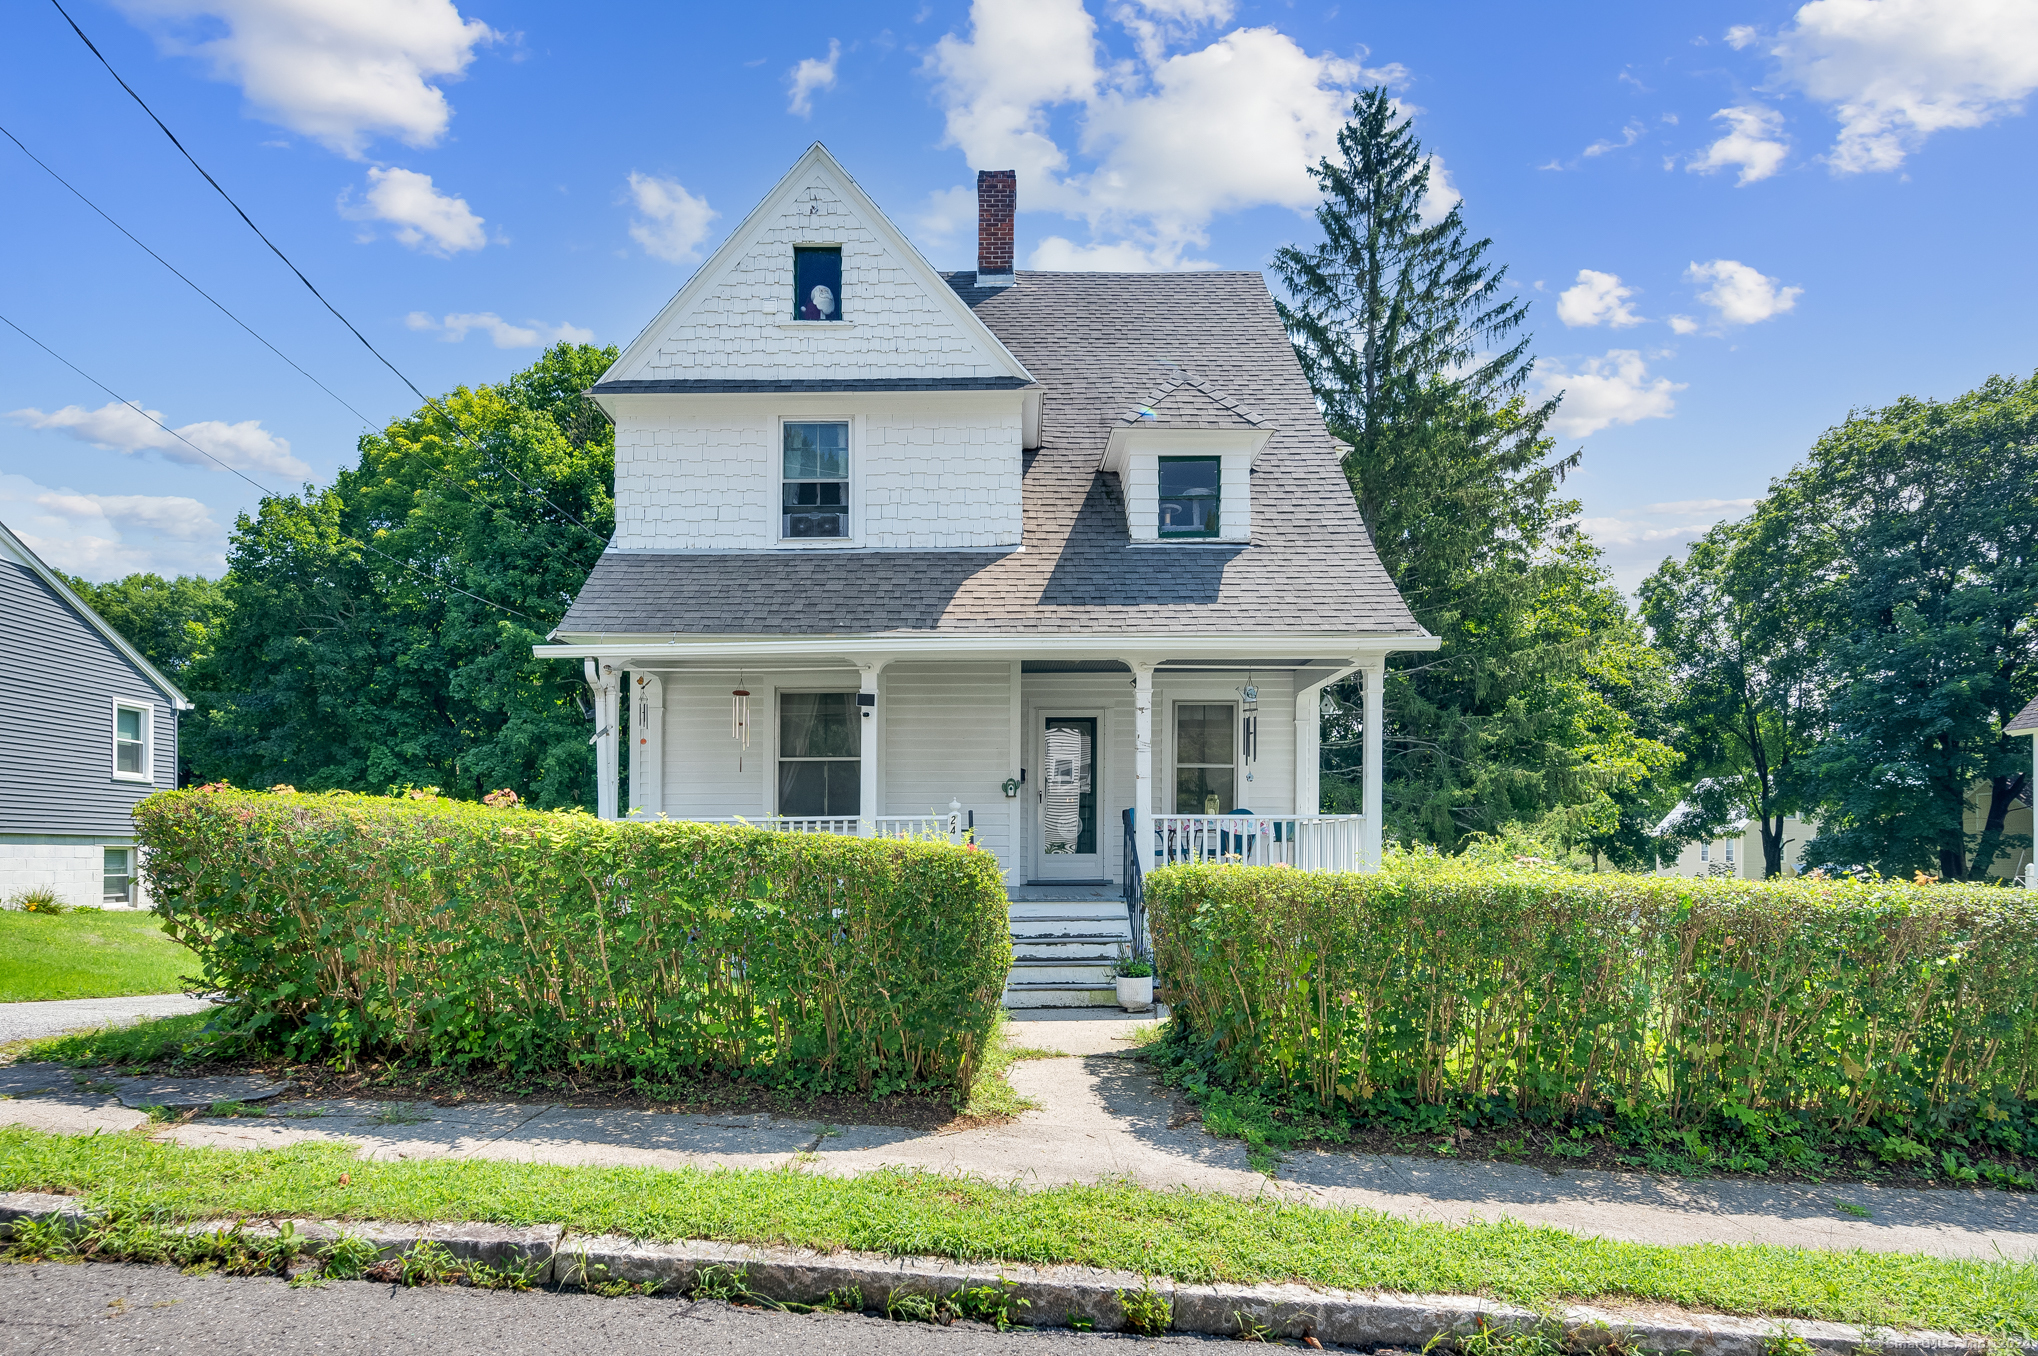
x,y
1683,1000
470,936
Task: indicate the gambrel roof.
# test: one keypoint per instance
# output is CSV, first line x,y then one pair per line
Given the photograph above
x,y
1210,349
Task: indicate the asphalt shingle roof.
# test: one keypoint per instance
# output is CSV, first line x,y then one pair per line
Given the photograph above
x,y
2025,720
1210,349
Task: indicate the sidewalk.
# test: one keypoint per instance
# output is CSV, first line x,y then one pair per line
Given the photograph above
x,y
1101,1116
33,1021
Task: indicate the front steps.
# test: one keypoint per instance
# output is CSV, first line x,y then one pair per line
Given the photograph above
x,y
1065,939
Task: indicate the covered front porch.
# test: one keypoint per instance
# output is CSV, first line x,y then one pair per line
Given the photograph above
x,y
1074,764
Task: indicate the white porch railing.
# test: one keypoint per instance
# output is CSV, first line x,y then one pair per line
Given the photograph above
x,y
1306,842
884,826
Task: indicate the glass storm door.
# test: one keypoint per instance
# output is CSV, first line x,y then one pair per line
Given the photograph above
x,y
1067,799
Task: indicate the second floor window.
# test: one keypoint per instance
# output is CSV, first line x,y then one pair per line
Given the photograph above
x,y
817,283
816,502
1190,487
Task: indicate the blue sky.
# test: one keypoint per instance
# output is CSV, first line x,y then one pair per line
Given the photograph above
x,y
1736,221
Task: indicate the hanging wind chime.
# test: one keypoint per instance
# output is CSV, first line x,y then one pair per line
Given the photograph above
x,y
1249,723
739,720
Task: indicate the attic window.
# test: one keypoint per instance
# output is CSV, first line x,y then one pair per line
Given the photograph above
x,y
817,283
1190,488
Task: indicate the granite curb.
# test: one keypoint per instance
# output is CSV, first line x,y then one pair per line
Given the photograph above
x,y
1090,1297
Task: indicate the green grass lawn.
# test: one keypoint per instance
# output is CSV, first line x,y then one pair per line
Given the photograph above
x,y
87,955
1190,1236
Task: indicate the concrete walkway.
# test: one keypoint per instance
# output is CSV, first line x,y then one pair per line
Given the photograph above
x,y
33,1021
1101,1117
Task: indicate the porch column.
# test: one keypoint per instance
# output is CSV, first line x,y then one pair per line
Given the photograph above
x,y
866,705
1309,750
1142,762
602,681
647,753
1375,672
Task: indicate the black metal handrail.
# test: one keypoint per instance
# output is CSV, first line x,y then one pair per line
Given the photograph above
x,y
1135,890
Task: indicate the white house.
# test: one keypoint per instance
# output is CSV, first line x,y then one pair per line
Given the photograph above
x,y
1070,554
1738,851
2025,722
88,728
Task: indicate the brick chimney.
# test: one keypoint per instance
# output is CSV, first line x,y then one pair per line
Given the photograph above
x,y
997,201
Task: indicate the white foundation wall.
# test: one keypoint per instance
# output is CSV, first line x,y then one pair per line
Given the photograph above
x,y
937,472
76,871
948,736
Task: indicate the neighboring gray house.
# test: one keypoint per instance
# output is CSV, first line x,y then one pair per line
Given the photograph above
x,y
87,729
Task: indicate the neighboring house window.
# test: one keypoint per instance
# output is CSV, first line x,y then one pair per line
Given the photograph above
x,y
1705,852
131,742
817,283
816,481
119,881
1190,487
1206,758
819,746
1730,852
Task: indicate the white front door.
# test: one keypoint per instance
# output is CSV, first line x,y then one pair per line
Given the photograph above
x,y
1065,797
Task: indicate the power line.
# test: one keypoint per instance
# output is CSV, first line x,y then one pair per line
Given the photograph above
x,y
366,422
274,249
267,493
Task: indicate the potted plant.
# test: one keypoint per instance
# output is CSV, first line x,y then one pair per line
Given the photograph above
x,y
1135,982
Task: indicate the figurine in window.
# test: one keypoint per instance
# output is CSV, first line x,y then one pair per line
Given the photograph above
x,y
820,304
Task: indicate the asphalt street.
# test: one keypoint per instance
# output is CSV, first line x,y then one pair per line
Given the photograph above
x,y
90,1308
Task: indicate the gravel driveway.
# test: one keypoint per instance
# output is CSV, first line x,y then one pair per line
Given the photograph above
x,y
30,1021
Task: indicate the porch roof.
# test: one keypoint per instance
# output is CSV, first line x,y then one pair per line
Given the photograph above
x,y
1100,344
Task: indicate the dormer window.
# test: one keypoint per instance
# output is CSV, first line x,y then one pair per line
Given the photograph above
x,y
817,282
1191,489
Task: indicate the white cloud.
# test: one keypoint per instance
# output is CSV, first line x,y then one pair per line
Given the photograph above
x,y
1441,196
1057,254
531,334
1896,71
105,536
1629,136
1740,295
245,446
1635,540
1597,298
1754,141
1683,324
949,214
1169,140
1599,392
424,218
342,72
1740,35
811,75
671,222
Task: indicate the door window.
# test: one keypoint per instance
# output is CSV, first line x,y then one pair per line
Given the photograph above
x,y
1068,787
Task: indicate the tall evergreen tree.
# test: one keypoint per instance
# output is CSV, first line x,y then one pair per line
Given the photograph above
x,y
1420,361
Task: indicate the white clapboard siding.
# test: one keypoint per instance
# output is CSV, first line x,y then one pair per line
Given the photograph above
x,y
948,737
